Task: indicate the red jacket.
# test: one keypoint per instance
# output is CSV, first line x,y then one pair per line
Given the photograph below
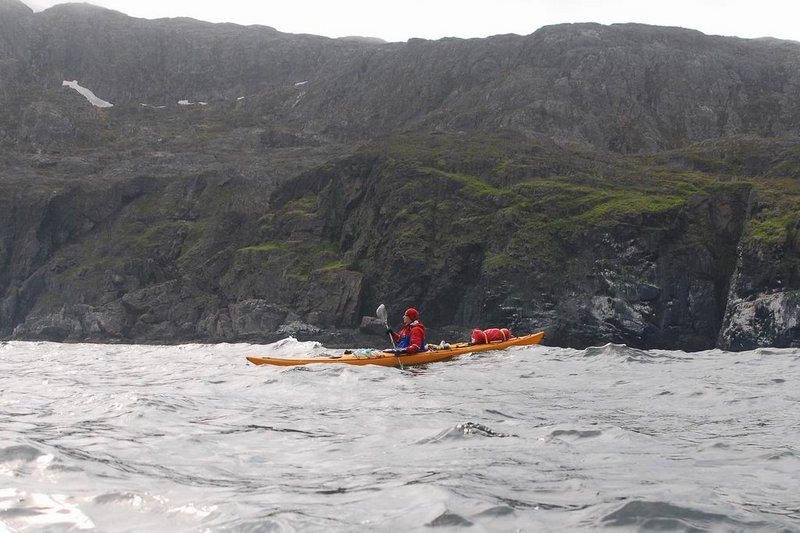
x,y
411,337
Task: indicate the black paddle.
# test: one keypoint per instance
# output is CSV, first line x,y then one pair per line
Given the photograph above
x,y
380,312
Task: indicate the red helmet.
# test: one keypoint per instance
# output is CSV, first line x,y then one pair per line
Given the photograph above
x,y
412,313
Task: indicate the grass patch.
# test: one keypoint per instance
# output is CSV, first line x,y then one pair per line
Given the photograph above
x,y
472,185
302,207
157,233
771,231
264,247
617,207
333,265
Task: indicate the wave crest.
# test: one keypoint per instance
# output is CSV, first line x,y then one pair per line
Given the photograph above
x,y
625,353
467,429
663,516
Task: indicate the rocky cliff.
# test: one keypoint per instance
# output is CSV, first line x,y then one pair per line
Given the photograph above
x,y
518,231
616,183
623,87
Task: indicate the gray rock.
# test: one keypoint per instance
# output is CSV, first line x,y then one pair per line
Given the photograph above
x,y
371,325
763,320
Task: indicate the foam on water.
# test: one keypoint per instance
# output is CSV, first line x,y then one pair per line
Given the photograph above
x,y
191,437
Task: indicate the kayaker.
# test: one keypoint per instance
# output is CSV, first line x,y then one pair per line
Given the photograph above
x,y
410,339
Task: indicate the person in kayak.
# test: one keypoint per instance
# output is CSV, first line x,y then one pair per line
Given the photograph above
x,y
410,339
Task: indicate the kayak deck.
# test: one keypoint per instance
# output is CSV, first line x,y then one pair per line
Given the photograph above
x,y
433,354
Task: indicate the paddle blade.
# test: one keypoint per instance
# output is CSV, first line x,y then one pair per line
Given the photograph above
x,y
380,312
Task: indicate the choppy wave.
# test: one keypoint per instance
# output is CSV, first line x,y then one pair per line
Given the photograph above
x,y
193,438
664,516
468,429
625,353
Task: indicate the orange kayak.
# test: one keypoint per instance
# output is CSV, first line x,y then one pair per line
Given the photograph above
x,y
376,357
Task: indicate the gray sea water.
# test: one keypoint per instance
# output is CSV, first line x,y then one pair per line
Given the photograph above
x,y
194,438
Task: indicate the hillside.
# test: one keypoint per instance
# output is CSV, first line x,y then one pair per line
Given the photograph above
x,y
620,183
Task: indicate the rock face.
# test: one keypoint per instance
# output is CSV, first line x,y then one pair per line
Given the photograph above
x,y
623,87
654,275
619,183
763,306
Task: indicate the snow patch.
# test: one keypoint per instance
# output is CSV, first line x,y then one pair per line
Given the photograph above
x,y
187,102
89,95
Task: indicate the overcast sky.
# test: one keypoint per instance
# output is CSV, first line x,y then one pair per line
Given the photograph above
x,y
434,19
